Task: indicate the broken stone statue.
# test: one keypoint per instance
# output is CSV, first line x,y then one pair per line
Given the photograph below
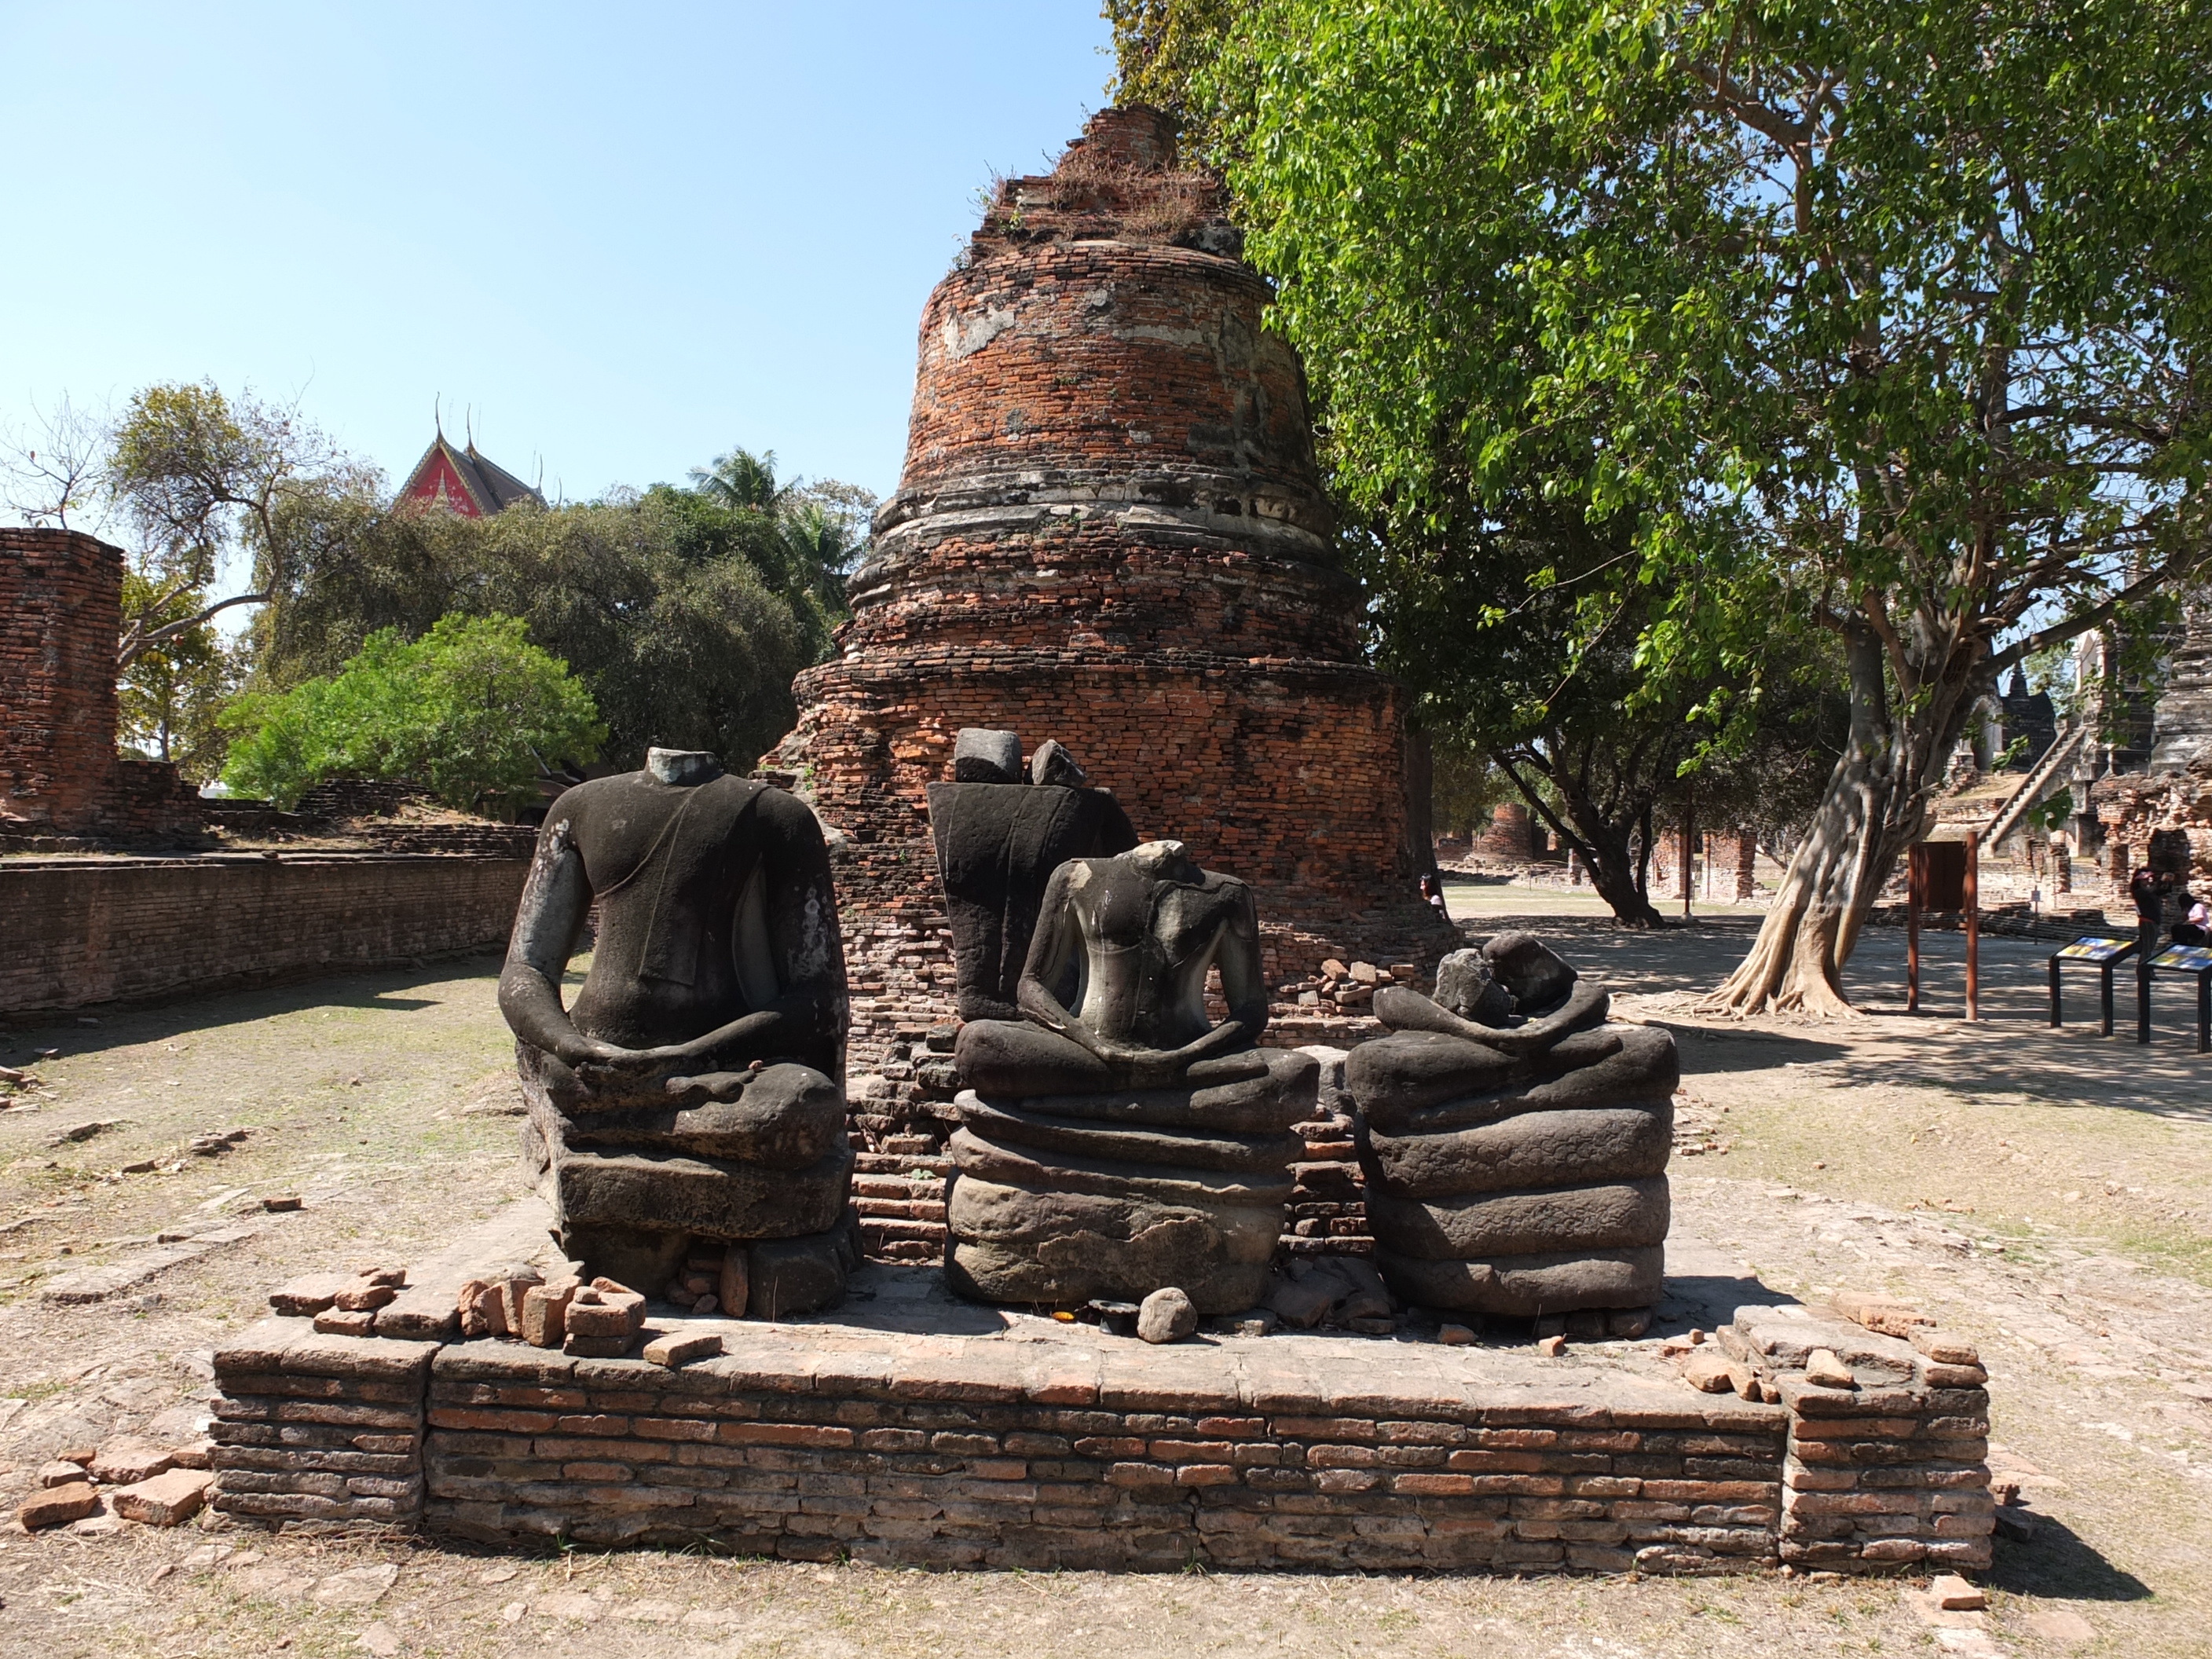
x,y
1000,832
1515,1143
692,1094
1114,1139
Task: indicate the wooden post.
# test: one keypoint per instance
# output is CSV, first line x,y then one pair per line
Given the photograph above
x,y
1689,824
1974,924
1916,895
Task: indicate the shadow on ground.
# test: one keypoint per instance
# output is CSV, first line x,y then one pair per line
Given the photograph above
x,y
2058,1564
98,1030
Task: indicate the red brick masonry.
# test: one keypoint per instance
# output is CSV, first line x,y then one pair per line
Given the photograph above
x,y
1111,531
1281,1452
82,931
61,606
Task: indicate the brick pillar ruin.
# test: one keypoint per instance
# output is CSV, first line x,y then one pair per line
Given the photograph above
x,y
1110,531
1731,856
61,610
1508,835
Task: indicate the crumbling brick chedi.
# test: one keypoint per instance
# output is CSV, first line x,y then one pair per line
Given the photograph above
x,y
1111,531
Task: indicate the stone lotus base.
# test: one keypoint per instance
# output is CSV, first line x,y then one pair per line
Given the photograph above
x,y
1518,1188
910,1429
1058,1199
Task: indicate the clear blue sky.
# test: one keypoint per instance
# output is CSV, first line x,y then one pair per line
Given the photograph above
x,y
627,237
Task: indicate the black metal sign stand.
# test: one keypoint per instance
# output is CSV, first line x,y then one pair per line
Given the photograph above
x,y
2102,954
2194,960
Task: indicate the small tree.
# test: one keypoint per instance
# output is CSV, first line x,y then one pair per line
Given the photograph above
x,y
473,710
56,471
171,695
197,473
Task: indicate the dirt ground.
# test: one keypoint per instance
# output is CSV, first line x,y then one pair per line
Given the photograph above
x,y
2046,1192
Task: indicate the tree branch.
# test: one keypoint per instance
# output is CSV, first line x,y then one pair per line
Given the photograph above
x,y
2058,633
132,649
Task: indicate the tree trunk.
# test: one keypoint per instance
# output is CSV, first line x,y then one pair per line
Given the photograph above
x,y
1613,869
1602,844
1421,802
1875,808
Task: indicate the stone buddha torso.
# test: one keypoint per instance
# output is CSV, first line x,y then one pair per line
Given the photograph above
x,y
682,945
1134,951
694,1090
1116,1139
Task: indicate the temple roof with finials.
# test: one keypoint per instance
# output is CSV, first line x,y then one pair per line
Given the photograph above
x,y
461,481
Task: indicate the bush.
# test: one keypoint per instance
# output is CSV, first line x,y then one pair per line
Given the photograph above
x,y
471,710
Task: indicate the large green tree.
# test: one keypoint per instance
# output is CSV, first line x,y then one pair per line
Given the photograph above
x,y
1887,320
1524,644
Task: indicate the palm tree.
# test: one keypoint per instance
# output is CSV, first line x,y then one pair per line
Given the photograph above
x,y
743,479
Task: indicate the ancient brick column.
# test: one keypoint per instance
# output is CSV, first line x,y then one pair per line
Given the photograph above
x,y
61,599
1111,531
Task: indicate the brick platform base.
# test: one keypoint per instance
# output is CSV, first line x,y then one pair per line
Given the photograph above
x,y
911,1429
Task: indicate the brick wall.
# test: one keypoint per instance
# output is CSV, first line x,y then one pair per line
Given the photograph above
x,y
61,597
90,930
1333,1453
1888,1468
314,1428
997,1471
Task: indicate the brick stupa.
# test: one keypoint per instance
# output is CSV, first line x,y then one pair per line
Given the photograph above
x,y
1111,531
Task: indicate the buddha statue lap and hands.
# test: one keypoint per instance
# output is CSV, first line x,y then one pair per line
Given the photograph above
x,y
692,1090
1116,1139
1515,1144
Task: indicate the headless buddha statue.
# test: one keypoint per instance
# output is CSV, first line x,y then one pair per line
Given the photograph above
x,y
1515,1143
1117,1140
692,1092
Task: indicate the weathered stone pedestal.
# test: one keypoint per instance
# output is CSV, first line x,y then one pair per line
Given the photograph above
x,y
1515,1146
1059,1200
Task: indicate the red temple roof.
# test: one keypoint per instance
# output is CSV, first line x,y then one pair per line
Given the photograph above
x,y
461,481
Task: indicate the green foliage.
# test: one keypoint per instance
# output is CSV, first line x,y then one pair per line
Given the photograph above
x,y
1882,319
171,693
1794,262
1161,47
1463,788
473,710
199,475
685,612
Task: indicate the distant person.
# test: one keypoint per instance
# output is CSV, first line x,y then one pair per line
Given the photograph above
x,y
2197,928
1432,895
2150,907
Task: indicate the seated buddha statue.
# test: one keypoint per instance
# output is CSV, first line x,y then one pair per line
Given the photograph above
x,y
1116,1138
691,1095
1514,1143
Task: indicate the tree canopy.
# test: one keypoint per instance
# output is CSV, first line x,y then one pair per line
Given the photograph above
x,y
471,710
1879,319
686,614
172,690
198,476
